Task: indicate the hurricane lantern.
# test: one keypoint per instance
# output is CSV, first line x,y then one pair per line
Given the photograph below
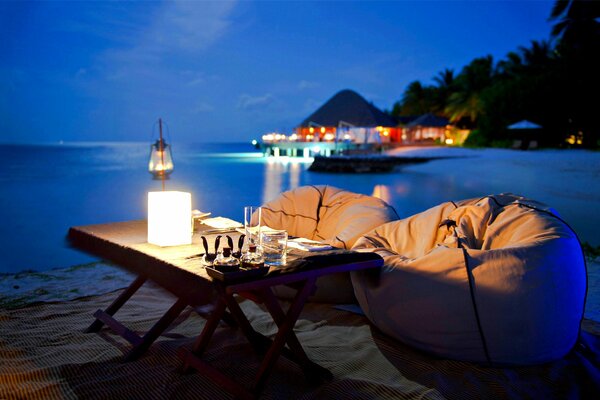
x,y
161,161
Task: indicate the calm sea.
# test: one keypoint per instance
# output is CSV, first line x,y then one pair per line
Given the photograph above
x,y
46,189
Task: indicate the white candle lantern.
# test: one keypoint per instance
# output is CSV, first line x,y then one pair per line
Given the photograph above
x,y
169,218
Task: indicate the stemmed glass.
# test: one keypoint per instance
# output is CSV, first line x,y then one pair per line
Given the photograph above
x,y
252,223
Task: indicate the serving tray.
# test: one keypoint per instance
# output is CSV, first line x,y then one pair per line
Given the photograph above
x,y
241,275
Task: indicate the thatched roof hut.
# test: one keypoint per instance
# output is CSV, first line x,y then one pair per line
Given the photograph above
x,y
426,128
428,121
349,107
348,116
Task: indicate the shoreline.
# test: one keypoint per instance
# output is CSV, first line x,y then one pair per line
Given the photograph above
x,y
28,288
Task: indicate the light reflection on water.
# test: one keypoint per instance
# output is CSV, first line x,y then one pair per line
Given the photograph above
x,y
47,189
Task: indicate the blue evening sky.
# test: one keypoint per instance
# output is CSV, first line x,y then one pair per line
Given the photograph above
x,y
229,71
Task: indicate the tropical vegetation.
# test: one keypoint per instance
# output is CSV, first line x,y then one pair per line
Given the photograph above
x,y
555,83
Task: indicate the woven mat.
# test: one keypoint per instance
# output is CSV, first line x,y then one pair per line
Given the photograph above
x,y
44,354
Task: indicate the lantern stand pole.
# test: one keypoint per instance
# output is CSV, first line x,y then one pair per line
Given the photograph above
x,y
162,153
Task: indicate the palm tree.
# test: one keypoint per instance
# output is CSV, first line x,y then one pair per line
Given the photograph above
x,y
417,99
466,100
577,30
539,55
445,81
512,66
576,22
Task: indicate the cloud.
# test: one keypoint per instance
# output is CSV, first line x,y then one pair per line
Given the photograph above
x,y
302,85
201,108
158,63
247,102
184,26
311,105
189,25
173,28
193,78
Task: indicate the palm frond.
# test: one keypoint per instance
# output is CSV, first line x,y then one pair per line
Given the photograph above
x,y
559,9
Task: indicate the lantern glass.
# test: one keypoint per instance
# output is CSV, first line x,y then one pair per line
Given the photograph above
x,y
161,162
169,218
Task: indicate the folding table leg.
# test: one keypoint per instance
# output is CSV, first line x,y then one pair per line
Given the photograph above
x,y
311,369
209,328
118,303
158,328
192,357
285,328
245,325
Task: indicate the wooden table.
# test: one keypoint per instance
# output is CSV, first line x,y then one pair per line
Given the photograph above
x,y
179,270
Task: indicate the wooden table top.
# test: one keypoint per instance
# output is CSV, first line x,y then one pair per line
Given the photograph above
x,y
176,268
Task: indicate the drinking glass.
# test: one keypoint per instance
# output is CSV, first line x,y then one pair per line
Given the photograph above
x,y
252,219
274,246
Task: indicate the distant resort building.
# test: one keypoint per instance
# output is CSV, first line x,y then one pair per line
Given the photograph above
x,y
347,116
427,127
348,122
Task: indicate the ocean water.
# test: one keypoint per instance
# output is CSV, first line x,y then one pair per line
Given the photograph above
x,y
45,189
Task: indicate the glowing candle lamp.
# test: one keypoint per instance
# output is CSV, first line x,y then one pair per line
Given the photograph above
x,y
169,218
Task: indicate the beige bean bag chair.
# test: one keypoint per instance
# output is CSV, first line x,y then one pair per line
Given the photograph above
x,y
329,215
498,280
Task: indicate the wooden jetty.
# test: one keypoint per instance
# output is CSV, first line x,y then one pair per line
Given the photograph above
x,y
363,163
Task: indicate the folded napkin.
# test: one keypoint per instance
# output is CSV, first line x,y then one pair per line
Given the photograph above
x,y
308,245
254,230
221,223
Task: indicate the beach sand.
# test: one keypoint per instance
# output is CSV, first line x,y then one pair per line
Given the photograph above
x,y
45,354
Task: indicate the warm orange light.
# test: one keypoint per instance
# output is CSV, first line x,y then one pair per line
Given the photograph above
x,y
311,129
322,130
328,136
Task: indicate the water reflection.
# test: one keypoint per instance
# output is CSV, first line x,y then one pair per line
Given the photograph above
x,y
276,171
382,192
272,187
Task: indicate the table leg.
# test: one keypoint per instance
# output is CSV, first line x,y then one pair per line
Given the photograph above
x,y
274,348
259,343
209,328
286,327
118,303
312,370
154,332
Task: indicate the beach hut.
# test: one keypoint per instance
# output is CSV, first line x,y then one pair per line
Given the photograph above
x,y
524,125
348,117
426,128
526,134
